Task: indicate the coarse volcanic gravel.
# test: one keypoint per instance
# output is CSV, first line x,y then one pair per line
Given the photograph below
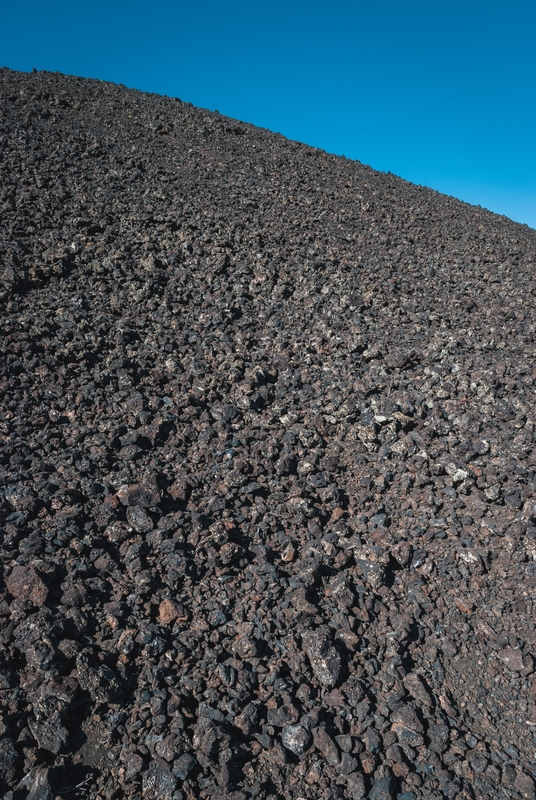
x,y
267,467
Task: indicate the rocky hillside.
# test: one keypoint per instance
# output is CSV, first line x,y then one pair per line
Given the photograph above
x,y
267,466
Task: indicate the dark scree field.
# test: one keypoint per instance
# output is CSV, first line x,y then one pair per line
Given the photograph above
x,y
267,466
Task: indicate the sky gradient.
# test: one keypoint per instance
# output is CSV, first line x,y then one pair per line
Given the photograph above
x,y
440,93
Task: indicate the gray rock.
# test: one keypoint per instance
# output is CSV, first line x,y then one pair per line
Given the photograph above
x,y
183,766
138,495
158,783
37,784
295,738
383,789
139,519
50,734
101,682
9,760
324,658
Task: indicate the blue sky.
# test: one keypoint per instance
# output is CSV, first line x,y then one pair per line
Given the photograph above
x,y
441,93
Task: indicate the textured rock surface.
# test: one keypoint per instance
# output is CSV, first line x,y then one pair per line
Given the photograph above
x,y
267,466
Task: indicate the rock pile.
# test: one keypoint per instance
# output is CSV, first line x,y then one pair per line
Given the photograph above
x,y
267,466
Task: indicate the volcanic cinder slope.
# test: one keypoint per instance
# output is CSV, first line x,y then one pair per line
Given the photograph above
x,y
267,466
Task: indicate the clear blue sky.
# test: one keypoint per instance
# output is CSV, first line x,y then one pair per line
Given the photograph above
x,y
440,92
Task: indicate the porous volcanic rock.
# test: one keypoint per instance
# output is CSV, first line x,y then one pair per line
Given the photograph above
x,y
267,466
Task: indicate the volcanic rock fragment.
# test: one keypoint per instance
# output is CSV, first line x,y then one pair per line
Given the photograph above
x,y
37,784
407,726
100,681
24,583
138,495
139,519
183,766
325,744
324,658
246,721
9,760
383,788
417,689
158,783
50,734
513,658
295,738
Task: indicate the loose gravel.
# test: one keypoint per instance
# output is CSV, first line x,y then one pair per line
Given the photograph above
x,y
267,466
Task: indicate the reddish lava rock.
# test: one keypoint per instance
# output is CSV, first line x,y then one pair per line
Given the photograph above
x,y
24,583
